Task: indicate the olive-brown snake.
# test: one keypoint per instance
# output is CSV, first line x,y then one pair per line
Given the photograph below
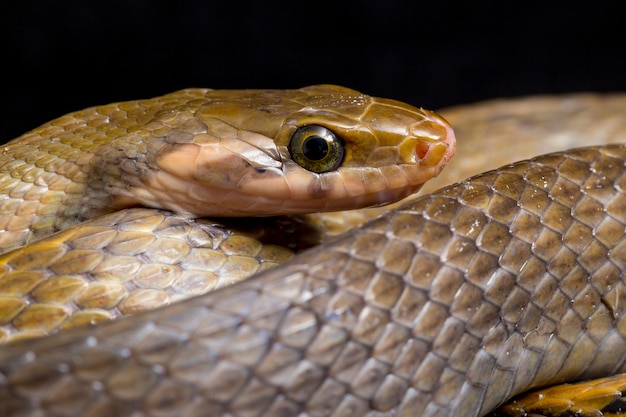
x,y
443,307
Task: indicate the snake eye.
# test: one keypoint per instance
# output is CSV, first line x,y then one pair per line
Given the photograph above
x,y
316,149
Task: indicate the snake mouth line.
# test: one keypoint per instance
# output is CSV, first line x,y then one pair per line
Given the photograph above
x,y
167,191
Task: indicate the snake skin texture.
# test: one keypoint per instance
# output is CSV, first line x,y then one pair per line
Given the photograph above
x,y
196,152
595,398
500,131
446,306
130,261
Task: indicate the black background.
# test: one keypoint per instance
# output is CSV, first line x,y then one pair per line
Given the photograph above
x,y
64,56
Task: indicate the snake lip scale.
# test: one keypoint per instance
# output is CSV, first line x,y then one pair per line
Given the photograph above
x,y
447,305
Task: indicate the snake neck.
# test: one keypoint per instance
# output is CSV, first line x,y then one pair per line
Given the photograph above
x,y
60,205
54,176
115,174
49,188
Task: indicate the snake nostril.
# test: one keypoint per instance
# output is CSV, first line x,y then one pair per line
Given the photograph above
x,y
421,150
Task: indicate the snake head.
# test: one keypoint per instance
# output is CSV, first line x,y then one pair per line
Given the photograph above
x,y
267,152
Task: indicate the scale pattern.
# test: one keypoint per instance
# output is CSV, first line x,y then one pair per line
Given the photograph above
x,y
126,262
446,306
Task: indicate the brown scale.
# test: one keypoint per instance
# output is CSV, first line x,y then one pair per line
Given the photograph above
x,y
447,305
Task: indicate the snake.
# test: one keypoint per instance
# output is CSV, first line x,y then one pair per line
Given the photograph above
x,y
447,304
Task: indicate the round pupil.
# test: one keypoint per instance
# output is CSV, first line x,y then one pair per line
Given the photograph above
x,y
315,148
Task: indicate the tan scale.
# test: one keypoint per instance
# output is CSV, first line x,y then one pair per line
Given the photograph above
x,y
324,329
101,272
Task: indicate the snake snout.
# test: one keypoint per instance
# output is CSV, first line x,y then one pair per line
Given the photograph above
x,y
436,142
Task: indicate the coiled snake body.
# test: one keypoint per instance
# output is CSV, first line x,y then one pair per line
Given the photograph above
x,y
445,306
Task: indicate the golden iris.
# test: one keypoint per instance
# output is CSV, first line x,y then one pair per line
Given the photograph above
x,y
316,148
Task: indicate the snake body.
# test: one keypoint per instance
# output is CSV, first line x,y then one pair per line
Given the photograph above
x,y
446,306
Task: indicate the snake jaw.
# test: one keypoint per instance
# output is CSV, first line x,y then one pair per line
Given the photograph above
x,y
243,173
290,190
